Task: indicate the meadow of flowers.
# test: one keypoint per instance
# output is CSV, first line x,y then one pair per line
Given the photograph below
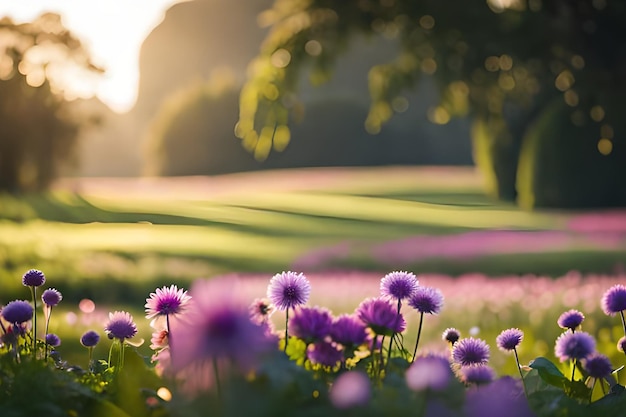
x,y
257,346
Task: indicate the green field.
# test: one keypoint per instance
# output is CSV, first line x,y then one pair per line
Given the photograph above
x,y
116,240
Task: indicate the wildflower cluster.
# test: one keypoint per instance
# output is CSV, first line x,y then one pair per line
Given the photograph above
x,y
215,349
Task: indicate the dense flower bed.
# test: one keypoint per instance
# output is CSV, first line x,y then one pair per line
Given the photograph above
x,y
217,352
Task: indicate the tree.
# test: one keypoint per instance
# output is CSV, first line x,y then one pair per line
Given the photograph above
x,y
504,63
38,129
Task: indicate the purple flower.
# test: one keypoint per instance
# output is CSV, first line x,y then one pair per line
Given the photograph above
x,y
398,285
17,312
503,397
166,301
217,327
451,335
53,340
120,326
509,339
350,389
260,310
477,374
381,316
33,278
348,330
51,297
429,372
426,300
324,353
310,324
574,346
614,300
570,319
597,365
621,344
470,351
89,339
288,290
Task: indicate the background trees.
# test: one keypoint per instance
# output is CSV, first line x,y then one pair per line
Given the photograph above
x,y
541,82
38,127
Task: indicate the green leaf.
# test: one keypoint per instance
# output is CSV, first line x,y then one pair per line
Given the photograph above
x,y
548,372
577,389
612,404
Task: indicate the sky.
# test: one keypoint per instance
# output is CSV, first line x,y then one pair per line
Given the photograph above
x,y
112,30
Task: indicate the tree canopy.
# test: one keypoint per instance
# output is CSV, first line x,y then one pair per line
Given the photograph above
x,y
501,62
39,131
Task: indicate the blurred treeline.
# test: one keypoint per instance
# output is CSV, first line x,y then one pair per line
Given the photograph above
x,y
541,81
192,67
528,91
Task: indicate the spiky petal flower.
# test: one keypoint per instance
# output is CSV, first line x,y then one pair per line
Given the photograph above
x,y
398,285
159,339
621,344
53,340
324,353
426,300
502,397
451,335
470,351
90,338
288,290
381,316
33,278
431,372
574,346
17,312
570,319
477,374
260,310
51,297
348,331
166,302
614,300
311,324
217,327
597,365
350,389
509,339
120,326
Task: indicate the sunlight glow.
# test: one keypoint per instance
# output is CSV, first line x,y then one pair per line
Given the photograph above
x,y
112,31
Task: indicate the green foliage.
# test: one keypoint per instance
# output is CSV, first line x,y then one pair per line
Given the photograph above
x,y
496,154
501,64
39,130
562,162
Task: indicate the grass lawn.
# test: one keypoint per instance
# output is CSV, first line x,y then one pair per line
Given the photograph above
x,y
127,235
116,240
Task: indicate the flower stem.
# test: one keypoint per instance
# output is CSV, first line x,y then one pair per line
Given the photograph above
x,y
286,331
46,332
573,369
621,313
380,360
110,354
33,291
593,385
121,356
169,334
90,364
519,368
419,333
393,335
